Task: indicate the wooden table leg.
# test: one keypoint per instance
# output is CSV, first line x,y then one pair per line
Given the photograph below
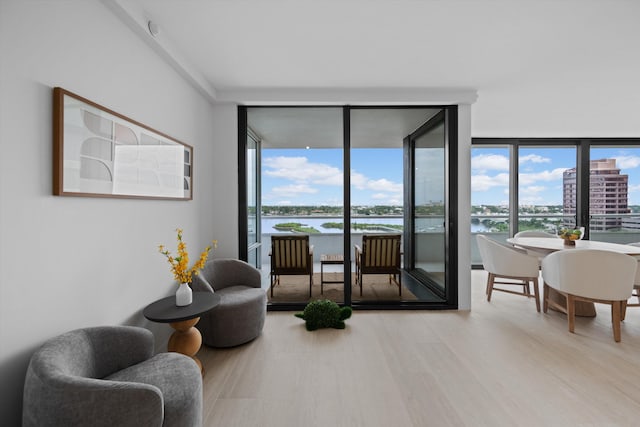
x,y
186,339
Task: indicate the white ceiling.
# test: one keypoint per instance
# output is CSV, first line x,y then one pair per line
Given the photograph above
x,y
398,43
550,51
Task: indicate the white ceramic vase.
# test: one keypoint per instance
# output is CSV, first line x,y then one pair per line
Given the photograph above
x,y
183,295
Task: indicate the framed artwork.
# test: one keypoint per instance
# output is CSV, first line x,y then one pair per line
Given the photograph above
x,y
100,153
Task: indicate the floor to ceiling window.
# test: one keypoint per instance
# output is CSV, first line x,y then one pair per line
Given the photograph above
x,y
556,182
543,202
614,192
303,153
490,193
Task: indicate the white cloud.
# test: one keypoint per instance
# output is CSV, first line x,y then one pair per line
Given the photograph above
x,y
384,185
361,182
358,180
531,190
627,162
304,174
533,158
545,176
299,169
486,162
634,188
486,182
292,190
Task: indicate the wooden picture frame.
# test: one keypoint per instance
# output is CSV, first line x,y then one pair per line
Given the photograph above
x,y
100,153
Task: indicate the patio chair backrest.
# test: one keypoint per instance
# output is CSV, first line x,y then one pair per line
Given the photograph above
x,y
380,252
290,254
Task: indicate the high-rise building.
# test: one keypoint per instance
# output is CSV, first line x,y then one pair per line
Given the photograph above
x,y
608,195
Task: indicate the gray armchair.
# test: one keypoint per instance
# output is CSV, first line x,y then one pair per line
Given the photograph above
x,y
108,376
240,316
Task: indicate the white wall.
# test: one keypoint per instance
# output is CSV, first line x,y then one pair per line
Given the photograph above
x,y
598,110
225,184
72,262
464,206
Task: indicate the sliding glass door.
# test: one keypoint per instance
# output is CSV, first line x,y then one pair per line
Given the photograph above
x,y
308,163
429,258
378,165
300,174
254,209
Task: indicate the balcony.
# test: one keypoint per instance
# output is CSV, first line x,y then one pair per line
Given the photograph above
x,y
331,241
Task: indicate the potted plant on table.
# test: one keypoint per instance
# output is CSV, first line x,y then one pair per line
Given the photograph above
x,y
570,235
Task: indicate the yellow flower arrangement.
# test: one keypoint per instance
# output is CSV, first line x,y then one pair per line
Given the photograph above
x,y
180,264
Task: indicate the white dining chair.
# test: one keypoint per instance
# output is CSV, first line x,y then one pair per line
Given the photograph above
x,y
589,275
507,265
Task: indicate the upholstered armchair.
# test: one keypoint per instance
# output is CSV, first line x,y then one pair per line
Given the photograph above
x,y
240,315
108,376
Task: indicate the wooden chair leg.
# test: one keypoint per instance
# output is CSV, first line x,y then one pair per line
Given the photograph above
x,y
623,310
571,312
545,297
536,293
615,319
490,280
273,283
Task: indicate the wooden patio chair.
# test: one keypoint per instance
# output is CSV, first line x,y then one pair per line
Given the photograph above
x,y
291,255
379,254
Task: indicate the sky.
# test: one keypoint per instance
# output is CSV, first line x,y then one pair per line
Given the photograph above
x,y
541,170
314,176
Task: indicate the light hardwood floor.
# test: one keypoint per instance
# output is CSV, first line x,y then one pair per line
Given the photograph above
x,y
502,364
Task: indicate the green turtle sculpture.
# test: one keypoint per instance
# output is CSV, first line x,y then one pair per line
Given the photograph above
x,y
324,314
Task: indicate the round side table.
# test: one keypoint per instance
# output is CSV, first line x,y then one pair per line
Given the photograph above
x,y
185,339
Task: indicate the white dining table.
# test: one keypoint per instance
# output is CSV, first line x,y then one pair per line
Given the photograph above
x,y
551,244
542,245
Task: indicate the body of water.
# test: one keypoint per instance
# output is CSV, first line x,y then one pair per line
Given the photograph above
x,y
423,224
